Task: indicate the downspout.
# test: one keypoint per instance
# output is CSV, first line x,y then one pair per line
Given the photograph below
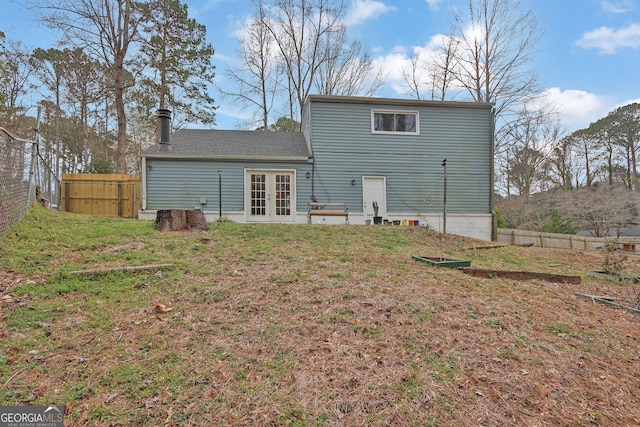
x,y
143,184
494,217
313,175
305,125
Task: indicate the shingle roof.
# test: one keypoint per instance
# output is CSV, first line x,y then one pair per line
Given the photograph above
x,y
233,144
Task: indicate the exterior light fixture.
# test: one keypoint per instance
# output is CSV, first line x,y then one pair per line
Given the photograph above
x,y
353,182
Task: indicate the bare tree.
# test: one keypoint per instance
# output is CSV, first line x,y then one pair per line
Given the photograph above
x,y
601,208
528,168
14,79
309,38
431,71
527,157
2,67
525,212
562,166
442,67
257,78
415,78
105,30
300,29
347,69
496,44
487,58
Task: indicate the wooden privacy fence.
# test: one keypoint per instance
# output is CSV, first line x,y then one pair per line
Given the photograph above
x,y
567,241
115,195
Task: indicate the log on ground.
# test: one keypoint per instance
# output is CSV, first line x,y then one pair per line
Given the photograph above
x,y
522,275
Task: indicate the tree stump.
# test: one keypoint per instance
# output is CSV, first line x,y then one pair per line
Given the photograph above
x,y
178,220
196,221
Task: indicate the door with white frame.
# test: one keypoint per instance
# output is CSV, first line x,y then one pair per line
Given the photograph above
x,y
270,195
374,189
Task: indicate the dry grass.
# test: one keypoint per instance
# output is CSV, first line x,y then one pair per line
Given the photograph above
x,y
314,325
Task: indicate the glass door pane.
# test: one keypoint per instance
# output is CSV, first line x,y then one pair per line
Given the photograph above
x,y
282,194
258,194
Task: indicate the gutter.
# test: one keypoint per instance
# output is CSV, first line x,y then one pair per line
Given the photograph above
x,y
397,102
230,157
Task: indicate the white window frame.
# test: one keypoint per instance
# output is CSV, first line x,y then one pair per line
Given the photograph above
x,y
271,216
386,132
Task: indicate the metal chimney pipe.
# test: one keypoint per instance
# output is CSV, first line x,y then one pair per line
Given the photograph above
x,y
164,117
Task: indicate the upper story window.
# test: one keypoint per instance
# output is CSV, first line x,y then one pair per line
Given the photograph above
x,y
406,122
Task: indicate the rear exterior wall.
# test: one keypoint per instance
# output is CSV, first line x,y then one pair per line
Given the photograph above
x,y
179,184
345,149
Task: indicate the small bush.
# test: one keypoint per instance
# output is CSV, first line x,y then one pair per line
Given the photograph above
x,y
558,223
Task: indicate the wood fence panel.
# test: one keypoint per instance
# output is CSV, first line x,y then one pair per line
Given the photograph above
x,y
114,195
566,241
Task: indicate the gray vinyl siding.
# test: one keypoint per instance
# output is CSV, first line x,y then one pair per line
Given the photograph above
x,y
344,149
179,183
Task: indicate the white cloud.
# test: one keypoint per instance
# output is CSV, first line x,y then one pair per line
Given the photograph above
x,y
239,29
607,40
577,108
619,6
392,65
363,10
434,4
230,118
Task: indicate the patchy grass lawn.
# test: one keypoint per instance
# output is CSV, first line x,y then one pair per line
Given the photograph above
x,y
306,326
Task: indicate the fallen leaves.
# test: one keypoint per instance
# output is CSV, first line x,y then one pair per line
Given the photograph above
x,y
8,298
163,308
133,246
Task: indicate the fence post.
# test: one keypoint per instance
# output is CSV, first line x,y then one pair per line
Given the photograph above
x,y
67,203
119,199
134,206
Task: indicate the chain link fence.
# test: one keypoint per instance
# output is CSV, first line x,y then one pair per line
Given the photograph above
x,y
25,178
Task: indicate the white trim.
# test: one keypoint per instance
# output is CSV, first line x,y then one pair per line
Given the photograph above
x,y
383,208
375,111
247,194
477,226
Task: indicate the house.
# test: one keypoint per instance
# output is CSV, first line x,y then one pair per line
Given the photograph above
x,y
351,150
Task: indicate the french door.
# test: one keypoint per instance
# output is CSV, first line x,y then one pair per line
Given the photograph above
x,y
270,196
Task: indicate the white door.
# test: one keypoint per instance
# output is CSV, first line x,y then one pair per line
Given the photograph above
x,y
269,196
374,189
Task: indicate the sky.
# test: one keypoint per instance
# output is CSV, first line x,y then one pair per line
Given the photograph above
x,y
587,61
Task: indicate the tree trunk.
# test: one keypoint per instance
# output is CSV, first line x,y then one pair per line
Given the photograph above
x,y
121,147
171,220
178,220
196,220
